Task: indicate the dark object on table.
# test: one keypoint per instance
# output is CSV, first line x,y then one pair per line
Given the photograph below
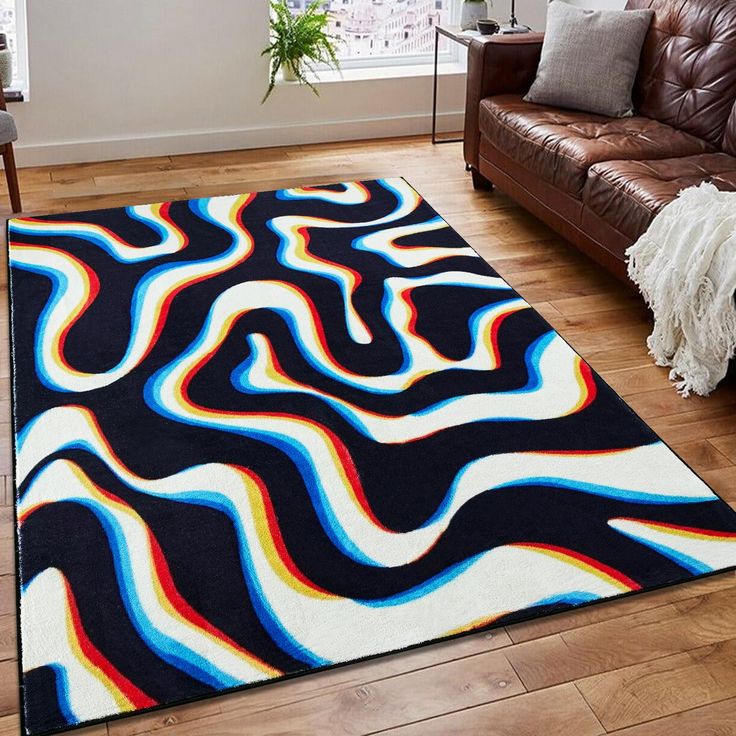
x,y
514,26
488,26
599,181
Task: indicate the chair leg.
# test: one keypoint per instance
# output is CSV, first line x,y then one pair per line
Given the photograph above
x,y
11,174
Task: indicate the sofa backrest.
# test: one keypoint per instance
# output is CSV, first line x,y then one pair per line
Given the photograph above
x,y
687,75
729,140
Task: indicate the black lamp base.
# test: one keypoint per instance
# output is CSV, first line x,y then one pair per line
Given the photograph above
x,y
514,26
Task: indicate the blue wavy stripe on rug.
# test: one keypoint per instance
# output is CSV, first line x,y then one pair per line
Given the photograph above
x,y
262,434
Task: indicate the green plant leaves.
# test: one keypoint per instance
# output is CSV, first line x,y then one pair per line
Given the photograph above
x,y
300,42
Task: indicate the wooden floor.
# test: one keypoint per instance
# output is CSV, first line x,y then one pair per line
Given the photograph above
x,y
657,664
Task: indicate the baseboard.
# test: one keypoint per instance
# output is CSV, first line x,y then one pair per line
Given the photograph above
x,y
198,141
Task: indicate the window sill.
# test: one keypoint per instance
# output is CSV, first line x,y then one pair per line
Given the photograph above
x,y
17,92
14,95
396,71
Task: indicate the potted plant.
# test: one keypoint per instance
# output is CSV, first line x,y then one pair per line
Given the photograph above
x,y
472,12
298,43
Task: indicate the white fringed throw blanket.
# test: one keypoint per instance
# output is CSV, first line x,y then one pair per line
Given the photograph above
x,y
685,267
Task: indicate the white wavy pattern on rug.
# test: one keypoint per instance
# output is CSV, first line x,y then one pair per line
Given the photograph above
x,y
75,288
325,628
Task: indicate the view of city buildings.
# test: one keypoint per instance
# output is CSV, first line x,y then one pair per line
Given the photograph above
x,y
7,26
383,27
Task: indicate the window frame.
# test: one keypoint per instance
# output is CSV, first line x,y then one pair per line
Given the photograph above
x,y
21,45
20,80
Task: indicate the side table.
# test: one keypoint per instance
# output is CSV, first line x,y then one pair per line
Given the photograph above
x,y
454,33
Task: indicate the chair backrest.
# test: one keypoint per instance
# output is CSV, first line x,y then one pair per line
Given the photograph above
x,y
687,74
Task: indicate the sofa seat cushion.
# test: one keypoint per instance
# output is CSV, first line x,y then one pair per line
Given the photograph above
x,y
628,194
561,145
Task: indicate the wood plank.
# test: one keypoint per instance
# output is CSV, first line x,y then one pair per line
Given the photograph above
x,y
374,706
6,457
627,640
630,381
499,249
586,323
605,360
10,726
511,265
227,158
701,455
510,229
643,692
620,338
301,689
225,188
9,690
548,284
7,541
115,184
666,401
603,302
723,482
725,444
559,711
338,170
709,421
74,172
560,622
718,719
4,345
122,199
8,647
169,720
7,595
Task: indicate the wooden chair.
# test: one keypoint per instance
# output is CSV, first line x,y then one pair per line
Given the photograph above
x,y
8,134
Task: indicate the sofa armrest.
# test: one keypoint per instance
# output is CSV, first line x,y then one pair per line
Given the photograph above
x,y
497,65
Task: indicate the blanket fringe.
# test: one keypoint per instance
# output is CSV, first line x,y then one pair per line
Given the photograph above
x,y
694,322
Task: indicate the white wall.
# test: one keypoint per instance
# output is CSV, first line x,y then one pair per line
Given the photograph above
x,y
120,78
532,13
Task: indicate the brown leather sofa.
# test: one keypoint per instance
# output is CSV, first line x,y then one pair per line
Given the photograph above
x,y
599,181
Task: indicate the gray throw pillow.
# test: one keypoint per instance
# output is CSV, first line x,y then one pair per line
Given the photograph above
x,y
590,59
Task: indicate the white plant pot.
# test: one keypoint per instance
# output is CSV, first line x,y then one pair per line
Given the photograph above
x,y
288,73
471,14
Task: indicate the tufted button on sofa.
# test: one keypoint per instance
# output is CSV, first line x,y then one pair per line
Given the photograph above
x,y
600,181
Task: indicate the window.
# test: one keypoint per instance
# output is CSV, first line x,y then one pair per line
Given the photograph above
x,y
13,25
378,32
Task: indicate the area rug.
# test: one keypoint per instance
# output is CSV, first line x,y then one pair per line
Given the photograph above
x,y
260,435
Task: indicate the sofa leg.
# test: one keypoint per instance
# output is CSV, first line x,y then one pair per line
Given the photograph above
x,y
480,183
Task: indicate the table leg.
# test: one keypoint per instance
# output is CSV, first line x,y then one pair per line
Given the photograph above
x,y
434,88
435,139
